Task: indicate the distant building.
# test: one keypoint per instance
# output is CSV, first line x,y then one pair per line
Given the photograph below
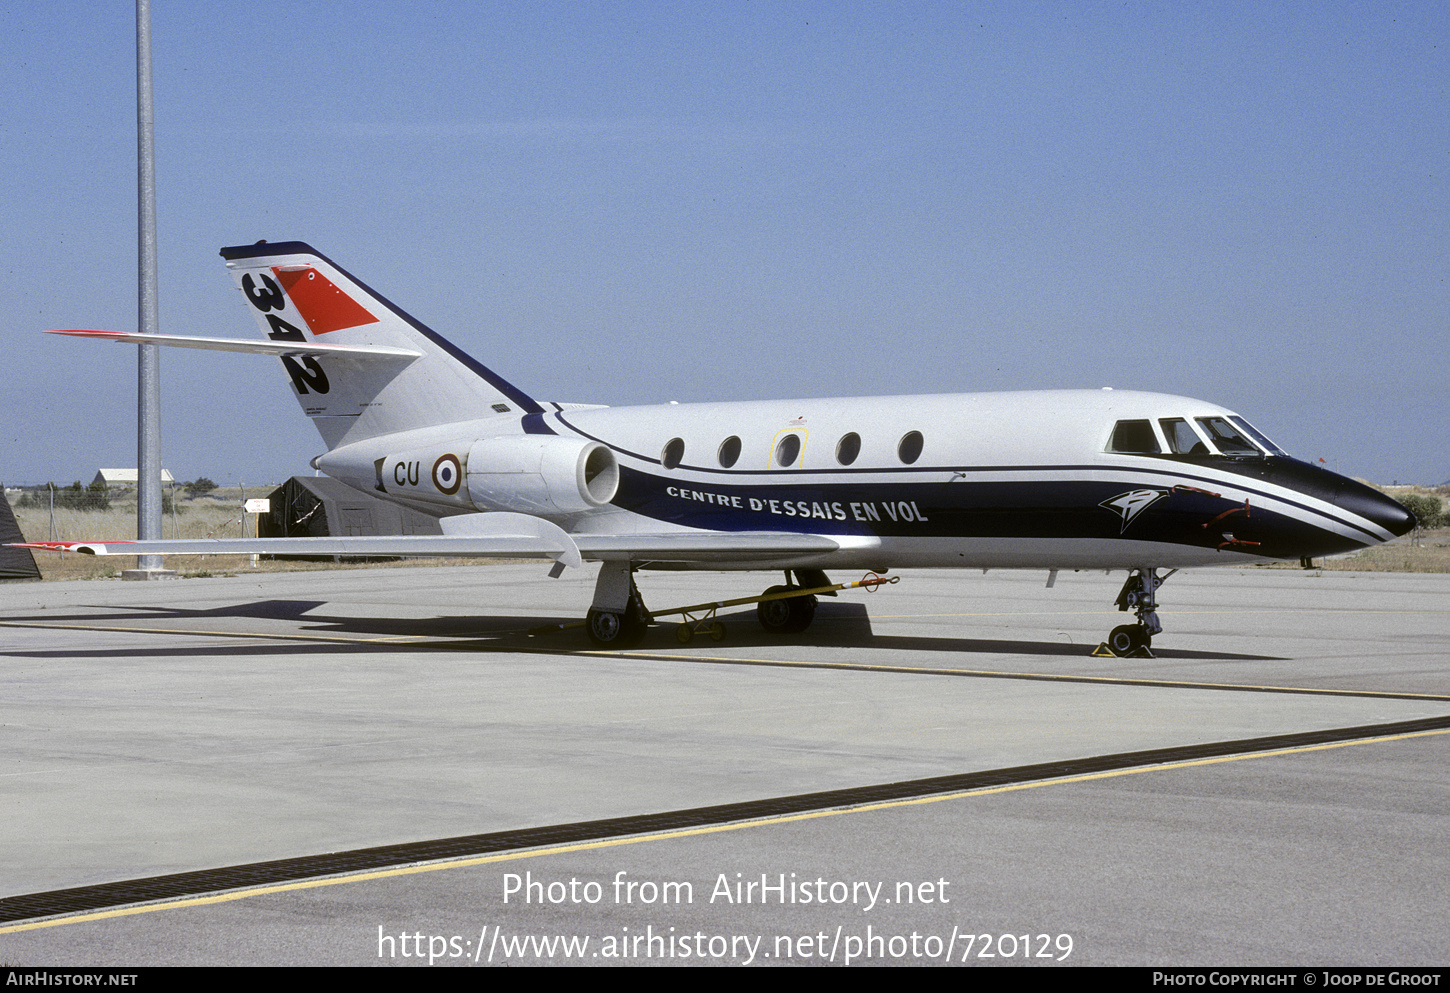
x,y
126,477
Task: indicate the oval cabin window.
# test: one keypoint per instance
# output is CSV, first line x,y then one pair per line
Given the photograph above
x,y
729,452
787,450
909,450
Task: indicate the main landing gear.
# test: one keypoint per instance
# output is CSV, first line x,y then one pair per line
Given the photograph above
x,y
618,618
786,609
791,615
1140,595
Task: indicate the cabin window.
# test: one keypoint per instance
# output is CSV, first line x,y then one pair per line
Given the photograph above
x,y
729,452
787,450
1134,438
848,448
1229,439
1182,439
673,454
909,449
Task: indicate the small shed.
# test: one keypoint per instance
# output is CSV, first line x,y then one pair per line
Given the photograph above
x,y
320,506
15,563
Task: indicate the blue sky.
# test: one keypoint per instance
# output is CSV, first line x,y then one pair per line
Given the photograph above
x,y
634,202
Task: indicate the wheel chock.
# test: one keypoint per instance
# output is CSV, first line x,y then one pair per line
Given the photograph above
x,y
1104,652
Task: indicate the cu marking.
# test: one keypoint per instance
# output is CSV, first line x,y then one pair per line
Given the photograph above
x,y
406,473
447,474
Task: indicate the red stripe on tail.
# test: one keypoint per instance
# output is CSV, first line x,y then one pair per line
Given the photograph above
x,y
323,306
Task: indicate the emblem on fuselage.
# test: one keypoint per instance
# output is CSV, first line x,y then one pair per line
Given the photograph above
x,y
447,474
1129,505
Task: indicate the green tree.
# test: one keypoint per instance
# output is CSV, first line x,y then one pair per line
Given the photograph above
x,y
97,497
1428,510
199,487
70,497
80,497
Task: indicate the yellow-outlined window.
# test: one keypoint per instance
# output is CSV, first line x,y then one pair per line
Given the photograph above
x,y
788,449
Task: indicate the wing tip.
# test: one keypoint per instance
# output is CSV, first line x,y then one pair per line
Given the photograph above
x,y
89,333
80,547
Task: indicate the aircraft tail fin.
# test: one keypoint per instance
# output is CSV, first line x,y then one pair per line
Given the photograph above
x,y
298,295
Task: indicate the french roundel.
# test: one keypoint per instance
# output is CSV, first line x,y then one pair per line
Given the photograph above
x,y
447,474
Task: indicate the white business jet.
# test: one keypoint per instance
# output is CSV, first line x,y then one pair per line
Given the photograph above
x,y
1089,479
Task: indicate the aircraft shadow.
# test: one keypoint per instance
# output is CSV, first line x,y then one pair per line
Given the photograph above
x,y
282,610
837,625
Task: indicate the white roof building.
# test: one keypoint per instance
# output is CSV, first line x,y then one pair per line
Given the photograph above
x,y
125,477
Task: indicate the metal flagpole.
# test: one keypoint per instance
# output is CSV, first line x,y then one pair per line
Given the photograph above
x,y
148,369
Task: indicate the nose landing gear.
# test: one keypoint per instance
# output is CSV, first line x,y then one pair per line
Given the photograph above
x,y
1140,595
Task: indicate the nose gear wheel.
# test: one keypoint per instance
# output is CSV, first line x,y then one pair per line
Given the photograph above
x,y
1140,595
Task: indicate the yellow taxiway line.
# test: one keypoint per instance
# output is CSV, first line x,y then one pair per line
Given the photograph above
x,y
464,863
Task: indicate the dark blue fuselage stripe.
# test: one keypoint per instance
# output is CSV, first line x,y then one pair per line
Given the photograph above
x,y
535,424
613,447
1033,509
1145,475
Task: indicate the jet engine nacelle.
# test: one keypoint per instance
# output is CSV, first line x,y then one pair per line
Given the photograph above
x,y
433,475
542,475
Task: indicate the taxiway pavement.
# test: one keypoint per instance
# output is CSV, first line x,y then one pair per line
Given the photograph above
x,y
159,729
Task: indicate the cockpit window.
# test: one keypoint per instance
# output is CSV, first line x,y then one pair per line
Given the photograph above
x,y
1258,436
1134,438
1182,439
1229,439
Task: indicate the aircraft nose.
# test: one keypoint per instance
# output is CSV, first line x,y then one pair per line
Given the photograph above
x,y
1369,503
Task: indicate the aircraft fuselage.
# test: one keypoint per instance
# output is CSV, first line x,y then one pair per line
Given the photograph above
x,y
998,480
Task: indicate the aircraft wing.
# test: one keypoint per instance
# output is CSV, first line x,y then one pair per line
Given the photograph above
x,y
710,546
504,535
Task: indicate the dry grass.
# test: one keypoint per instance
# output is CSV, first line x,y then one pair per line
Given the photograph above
x,y
1398,491
1429,551
196,519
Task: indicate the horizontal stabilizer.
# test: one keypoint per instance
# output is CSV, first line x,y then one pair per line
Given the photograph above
x,y
243,345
